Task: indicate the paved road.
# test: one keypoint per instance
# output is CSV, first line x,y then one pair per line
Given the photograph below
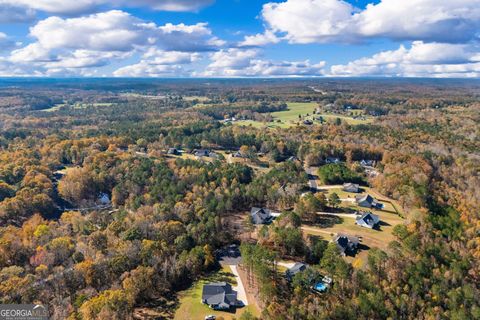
x,y
312,179
330,187
345,215
239,288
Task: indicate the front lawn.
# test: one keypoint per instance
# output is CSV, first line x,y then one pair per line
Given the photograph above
x,y
192,308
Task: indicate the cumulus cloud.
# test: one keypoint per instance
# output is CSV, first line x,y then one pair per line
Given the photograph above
x,y
236,62
173,5
260,39
158,63
98,39
420,60
70,7
309,21
12,13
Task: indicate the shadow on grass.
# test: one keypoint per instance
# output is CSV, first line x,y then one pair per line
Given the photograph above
x,y
221,276
327,220
161,309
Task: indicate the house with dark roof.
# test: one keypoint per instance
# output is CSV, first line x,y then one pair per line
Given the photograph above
x,y
351,187
219,296
368,220
173,151
367,201
296,268
202,153
346,244
261,215
238,154
367,163
330,160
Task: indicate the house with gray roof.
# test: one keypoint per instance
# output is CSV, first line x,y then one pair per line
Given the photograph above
x,y
261,215
296,268
367,201
351,187
219,296
368,220
330,160
173,151
346,244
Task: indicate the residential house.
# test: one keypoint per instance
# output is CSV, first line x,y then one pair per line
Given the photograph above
x,y
367,163
367,201
201,153
219,296
238,154
346,244
296,268
330,160
368,220
103,199
173,151
351,187
261,215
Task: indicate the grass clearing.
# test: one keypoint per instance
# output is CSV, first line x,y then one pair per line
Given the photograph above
x,y
290,117
191,307
371,238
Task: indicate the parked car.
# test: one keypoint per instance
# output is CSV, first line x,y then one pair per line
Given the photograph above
x,y
210,317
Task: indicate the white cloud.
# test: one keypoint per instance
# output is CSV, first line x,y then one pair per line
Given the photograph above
x,y
158,63
54,6
155,56
245,63
260,39
309,21
420,60
172,5
181,37
98,39
12,13
144,69
107,31
70,7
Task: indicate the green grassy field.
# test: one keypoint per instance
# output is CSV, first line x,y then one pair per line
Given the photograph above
x,y
192,308
290,117
77,106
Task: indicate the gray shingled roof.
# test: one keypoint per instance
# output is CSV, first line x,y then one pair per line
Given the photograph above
x,y
260,215
368,219
296,268
346,243
219,294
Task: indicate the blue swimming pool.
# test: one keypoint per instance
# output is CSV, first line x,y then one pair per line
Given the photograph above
x,y
320,286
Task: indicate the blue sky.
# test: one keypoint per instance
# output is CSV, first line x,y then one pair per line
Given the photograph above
x,y
240,38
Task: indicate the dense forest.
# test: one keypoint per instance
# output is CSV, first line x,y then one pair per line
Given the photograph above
x,y
65,145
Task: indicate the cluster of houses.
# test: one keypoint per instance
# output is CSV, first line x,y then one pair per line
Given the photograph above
x,y
366,200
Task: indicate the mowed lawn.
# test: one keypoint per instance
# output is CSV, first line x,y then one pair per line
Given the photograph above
x,y
290,117
376,238
191,307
